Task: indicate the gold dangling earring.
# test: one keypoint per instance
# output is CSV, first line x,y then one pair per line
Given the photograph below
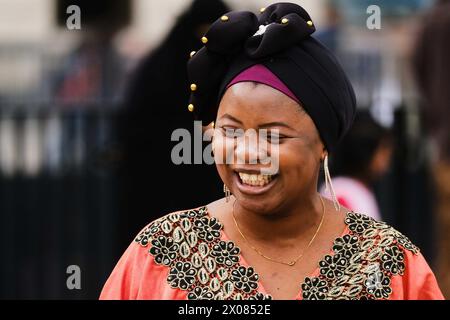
x,y
329,184
227,192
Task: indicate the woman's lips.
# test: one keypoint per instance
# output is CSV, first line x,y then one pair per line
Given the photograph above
x,y
260,186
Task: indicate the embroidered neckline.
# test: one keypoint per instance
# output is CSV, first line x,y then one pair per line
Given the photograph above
x,y
191,244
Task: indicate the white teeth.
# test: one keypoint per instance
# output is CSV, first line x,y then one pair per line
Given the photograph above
x,y
255,179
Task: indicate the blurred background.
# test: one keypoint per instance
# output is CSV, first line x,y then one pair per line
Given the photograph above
x,y
86,117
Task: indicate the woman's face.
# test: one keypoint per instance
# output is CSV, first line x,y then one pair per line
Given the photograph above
x,y
245,109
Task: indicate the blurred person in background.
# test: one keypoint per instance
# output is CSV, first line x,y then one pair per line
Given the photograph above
x,y
432,69
329,34
93,74
361,159
155,105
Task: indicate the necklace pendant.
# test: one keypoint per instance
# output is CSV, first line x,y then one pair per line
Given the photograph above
x,y
291,263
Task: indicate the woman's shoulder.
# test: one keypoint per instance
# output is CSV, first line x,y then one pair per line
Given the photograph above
x,y
376,234
372,260
169,241
368,261
180,229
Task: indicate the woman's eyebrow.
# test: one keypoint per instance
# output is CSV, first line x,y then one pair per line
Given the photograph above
x,y
226,115
275,124
264,125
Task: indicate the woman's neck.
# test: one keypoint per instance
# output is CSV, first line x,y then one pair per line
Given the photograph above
x,y
284,226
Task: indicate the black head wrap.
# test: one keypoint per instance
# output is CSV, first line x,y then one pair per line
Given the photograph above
x,y
280,39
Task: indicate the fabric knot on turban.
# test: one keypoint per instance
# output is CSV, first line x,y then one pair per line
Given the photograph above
x,y
280,39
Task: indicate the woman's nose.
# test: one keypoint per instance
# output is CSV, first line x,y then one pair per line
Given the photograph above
x,y
250,149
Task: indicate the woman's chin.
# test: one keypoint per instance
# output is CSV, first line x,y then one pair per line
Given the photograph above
x,y
260,205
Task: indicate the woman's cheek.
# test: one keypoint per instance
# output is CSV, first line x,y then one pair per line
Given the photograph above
x,y
294,160
222,148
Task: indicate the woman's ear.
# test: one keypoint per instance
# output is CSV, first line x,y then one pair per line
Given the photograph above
x,y
324,154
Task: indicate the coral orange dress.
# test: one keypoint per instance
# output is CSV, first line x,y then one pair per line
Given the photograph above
x,y
186,255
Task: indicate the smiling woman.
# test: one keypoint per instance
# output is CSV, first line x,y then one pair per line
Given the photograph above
x,y
272,236
246,105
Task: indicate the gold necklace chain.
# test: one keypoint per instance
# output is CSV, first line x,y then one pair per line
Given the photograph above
x,y
293,262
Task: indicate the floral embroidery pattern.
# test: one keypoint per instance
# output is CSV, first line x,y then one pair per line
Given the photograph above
x,y
333,266
260,296
200,293
392,260
226,253
377,284
346,246
189,244
207,229
363,262
182,275
164,250
144,237
200,262
245,279
357,222
314,289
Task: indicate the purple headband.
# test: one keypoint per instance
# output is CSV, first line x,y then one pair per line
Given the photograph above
x,y
259,73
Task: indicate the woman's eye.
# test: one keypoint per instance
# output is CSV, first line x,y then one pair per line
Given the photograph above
x,y
275,138
232,132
